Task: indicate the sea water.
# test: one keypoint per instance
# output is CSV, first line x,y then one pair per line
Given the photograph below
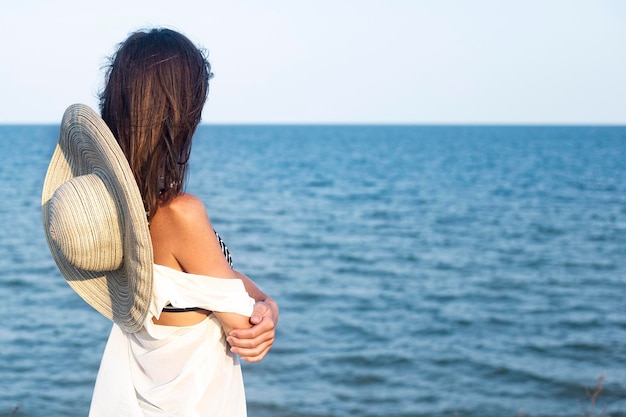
x,y
420,270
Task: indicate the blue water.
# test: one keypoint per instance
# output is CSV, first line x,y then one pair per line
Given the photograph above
x,y
420,271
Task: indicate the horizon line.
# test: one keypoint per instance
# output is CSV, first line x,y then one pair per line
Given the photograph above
x,y
375,123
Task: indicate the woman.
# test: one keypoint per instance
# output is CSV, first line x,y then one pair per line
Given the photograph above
x,y
182,362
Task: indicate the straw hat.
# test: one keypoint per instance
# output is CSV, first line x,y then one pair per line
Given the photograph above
x,y
95,221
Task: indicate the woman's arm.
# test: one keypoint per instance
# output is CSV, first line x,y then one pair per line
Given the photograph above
x,y
254,343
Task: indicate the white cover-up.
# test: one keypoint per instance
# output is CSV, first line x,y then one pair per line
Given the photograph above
x,y
175,371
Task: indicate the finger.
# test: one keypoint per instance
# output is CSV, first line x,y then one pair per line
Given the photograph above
x,y
264,326
253,350
241,341
257,354
248,346
260,310
256,318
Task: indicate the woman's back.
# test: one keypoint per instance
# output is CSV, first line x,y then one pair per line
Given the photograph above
x,y
183,239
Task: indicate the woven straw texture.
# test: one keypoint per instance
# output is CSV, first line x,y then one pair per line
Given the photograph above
x,y
95,222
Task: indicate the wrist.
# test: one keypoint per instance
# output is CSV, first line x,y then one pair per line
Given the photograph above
x,y
273,306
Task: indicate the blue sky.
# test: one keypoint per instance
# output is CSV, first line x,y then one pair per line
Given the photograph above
x,y
339,61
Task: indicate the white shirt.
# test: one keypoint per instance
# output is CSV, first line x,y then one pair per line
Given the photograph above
x,y
175,371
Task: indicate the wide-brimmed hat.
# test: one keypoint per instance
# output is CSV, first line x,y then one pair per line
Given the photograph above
x,y
95,221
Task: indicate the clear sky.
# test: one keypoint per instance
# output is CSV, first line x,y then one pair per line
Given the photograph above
x,y
338,61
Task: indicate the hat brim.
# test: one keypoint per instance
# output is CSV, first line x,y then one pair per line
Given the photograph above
x,y
86,145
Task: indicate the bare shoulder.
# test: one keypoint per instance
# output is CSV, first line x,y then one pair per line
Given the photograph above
x,y
185,210
184,205
184,235
176,225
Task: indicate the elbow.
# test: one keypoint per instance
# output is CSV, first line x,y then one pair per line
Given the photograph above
x,y
232,321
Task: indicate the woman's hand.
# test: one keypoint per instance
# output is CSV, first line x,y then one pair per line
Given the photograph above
x,y
254,343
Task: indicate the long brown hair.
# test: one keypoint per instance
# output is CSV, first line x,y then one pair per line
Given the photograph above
x,y
155,88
